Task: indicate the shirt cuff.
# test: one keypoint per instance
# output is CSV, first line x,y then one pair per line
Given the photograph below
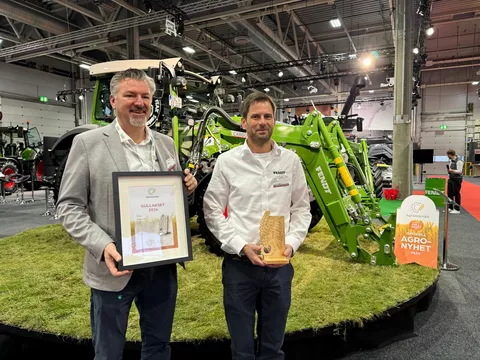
x,y
294,242
238,244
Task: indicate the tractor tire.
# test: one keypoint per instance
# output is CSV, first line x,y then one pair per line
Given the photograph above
x,y
9,168
212,243
377,180
57,179
316,214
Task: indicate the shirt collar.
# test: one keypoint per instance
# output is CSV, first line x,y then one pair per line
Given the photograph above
x,y
245,149
124,138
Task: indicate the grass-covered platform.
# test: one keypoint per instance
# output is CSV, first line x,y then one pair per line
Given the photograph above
x,y
41,290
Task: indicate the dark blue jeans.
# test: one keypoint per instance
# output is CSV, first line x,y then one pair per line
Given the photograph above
x,y
249,288
154,292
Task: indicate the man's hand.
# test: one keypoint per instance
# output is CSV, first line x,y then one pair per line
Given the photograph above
x,y
251,251
288,254
112,257
190,182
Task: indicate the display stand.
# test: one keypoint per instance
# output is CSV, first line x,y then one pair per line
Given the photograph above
x,y
445,264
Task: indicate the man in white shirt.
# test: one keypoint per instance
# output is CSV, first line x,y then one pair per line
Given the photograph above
x,y
455,177
252,178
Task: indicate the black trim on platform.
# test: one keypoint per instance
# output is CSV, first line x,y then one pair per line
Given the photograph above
x,y
330,342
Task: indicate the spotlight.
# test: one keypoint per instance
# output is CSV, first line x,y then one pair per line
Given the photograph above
x,y
280,73
415,50
430,30
335,23
189,49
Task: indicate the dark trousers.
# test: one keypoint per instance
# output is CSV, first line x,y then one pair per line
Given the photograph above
x,y
154,292
454,186
249,288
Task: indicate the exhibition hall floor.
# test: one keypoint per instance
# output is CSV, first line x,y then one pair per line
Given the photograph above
x,y
449,329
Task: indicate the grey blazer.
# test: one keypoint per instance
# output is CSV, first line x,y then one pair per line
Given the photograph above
x,y
85,202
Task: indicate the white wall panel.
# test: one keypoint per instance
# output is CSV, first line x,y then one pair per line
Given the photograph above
x,y
20,89
447,105
376,116
50,120
30,82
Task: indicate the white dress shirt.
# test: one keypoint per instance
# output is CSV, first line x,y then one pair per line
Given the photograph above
x,y
140,157
249,187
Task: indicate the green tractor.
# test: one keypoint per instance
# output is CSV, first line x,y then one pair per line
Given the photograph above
x,y
337,170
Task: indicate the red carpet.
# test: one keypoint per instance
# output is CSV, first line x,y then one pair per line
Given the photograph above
x,y
470,197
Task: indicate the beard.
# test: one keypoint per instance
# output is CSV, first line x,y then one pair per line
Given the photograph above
x,y
261,138
138,120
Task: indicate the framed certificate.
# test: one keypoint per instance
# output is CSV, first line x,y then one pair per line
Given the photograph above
x,y
152,225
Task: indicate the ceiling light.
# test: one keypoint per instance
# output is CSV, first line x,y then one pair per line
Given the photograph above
x,y
266,89
80,97
286,99
474,82
193,100
366,60
371,91
335,23
233,72
85,66
280,73
189,97
189,50
243,79
415,50
430,31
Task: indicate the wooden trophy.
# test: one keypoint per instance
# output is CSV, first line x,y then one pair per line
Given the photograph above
x,y
272,239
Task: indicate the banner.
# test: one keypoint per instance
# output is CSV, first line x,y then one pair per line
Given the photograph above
x,y
416,232
439,184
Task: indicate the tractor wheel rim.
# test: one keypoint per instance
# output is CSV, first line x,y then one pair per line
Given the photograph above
x,y
9,185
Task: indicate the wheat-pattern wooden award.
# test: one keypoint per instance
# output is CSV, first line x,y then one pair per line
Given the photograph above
x,y
272,239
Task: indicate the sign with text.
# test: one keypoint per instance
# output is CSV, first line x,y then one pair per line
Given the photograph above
x,y
435,183
416,232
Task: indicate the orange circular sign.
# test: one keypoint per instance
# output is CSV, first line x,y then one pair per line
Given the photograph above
x,y
415,225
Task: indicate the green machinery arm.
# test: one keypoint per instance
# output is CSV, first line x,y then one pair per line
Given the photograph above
x,y
351,211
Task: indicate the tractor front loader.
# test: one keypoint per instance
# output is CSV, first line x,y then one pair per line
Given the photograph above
x,y
351,210
347,201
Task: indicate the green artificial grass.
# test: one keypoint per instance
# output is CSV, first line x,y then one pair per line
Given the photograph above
x,y
41,287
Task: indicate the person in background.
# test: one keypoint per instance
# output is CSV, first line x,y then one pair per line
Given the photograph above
x,y
252,178
455,177
85,207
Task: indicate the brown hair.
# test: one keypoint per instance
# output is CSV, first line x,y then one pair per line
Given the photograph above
x,y
254,98
451,152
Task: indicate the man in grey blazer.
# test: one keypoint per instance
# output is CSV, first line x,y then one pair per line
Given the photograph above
x,y
85,206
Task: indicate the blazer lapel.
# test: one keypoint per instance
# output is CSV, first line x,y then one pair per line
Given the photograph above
x,y
115,147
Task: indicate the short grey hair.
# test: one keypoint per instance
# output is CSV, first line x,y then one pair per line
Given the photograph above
x,y
135,74
254,98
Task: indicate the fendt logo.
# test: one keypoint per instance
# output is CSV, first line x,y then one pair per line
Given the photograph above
x,y
323,181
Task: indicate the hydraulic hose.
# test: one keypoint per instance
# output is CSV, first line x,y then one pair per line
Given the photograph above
x,y
337,159
197,147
